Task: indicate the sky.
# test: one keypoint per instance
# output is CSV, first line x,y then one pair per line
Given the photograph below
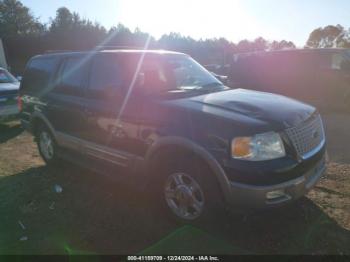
x,y
235,20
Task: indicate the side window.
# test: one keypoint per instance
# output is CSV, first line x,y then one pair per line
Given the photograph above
x,y
106,78
337,61
71,76
341,62
38,74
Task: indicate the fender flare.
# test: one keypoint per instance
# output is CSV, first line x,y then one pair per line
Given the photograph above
x,y
187,144
40,116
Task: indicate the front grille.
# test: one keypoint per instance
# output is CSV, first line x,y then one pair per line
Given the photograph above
x,y
307,136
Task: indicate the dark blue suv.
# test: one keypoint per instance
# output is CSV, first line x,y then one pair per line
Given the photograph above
x,y
198,144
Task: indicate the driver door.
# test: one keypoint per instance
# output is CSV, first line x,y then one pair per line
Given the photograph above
x,y
112,115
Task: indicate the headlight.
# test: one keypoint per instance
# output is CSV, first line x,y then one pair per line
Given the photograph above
x,y
260,147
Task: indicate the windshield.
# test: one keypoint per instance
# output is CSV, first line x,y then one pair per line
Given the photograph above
x,y
6,77
189,75
175,73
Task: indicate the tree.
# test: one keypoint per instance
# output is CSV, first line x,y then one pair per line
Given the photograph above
x,y
330,36
64,21
275,45
260,44
69,31
16,19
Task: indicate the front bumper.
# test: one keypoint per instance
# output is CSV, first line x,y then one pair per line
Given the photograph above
x,y
8,113
252,197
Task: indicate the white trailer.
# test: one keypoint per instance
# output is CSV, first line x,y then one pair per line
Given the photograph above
x,y
3,63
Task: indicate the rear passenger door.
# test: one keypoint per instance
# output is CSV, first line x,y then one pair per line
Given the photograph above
x,y
66,101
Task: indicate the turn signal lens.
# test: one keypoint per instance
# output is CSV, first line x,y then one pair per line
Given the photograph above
x,y
259,147
241,147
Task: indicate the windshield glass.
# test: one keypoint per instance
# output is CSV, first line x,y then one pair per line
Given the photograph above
x,y
174,73
189,75
6,77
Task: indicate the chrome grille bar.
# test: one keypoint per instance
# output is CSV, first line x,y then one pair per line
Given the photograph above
x,y
308,137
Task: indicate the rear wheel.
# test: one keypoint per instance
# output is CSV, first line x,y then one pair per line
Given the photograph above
x,y
46,145
346,103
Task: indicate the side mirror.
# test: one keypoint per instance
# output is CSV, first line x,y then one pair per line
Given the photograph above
x,y
19,78
221,78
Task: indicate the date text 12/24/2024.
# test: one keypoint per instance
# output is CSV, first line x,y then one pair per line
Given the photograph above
x,y
173,258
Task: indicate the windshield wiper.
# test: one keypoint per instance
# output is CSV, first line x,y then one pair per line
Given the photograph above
x,y
210,87
212,84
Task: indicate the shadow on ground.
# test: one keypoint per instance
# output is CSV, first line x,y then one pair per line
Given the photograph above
x,y
93,214
9,131
337,127
301,228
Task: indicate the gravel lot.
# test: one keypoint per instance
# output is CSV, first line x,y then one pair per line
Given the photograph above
x,y
94,215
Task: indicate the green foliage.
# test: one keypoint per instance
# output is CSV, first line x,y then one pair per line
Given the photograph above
x,y
16,19
70,32
329,37
275,45
24,36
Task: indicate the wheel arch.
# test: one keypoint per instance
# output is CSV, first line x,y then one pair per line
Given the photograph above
x,y
164,144
39,118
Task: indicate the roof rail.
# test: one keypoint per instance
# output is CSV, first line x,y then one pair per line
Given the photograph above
x,y
57,51
97,48
113,47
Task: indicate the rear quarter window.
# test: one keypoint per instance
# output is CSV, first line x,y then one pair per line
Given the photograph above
x,y
38,74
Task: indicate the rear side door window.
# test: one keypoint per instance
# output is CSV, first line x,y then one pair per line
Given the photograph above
x,y
72,76
106,78
337,61
333,61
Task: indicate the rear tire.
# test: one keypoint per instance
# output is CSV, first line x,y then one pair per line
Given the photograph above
x,y
47,145
346,103
188,191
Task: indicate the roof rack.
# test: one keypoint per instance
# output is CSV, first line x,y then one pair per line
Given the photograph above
x,y
57,51
97,48
113,47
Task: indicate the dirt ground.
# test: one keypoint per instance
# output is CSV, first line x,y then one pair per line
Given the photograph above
x,y
93,215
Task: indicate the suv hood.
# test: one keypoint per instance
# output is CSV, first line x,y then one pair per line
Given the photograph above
x,y
280,111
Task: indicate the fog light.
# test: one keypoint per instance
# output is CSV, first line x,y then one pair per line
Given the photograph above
x,y
275,194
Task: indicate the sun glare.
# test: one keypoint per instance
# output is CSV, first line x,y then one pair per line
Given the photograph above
x,y
199,19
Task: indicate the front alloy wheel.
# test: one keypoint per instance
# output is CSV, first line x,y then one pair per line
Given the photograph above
x,y
184,196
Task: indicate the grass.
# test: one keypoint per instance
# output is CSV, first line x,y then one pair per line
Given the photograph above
x,y
191,240
95,215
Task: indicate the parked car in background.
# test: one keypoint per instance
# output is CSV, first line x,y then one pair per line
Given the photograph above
x,y
9,87
195,144
320,77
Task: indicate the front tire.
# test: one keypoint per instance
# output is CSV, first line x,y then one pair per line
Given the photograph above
x,y
189,191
